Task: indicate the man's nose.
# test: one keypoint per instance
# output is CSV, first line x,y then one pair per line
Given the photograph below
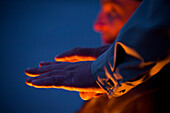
x,y
99,24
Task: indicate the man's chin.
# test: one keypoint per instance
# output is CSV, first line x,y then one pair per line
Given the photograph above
x,y
108,41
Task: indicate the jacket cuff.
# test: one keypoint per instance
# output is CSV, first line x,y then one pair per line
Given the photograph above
x,y
102,72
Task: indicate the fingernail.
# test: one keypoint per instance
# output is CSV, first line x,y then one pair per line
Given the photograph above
x,y
57,56
27,69
29,79
34,82
43,62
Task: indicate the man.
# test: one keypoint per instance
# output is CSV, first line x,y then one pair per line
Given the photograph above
x,y
126,64
112,16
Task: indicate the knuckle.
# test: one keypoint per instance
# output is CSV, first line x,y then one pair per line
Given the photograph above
x,y
69,78
53,78
55,72
49,67
57,80
36,70
49,73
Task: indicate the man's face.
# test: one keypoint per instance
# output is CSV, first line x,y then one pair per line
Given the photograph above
x,y
112,16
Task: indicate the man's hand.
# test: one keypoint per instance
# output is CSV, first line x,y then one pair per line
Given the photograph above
x,y
81,54
70,76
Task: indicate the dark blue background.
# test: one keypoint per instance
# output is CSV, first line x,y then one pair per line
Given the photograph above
x,y
36,30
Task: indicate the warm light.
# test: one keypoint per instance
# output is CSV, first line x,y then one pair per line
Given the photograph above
x,y
31,75
75,58
97,90
88,95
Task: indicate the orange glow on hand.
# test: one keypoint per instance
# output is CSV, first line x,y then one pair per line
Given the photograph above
x,y
36,86
75,58
88,95
90,91
31,75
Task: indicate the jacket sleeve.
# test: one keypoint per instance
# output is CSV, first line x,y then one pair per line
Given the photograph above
x,y
141,49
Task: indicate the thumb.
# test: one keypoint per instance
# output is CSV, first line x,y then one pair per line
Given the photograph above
x,y
76,55
86,95
89,95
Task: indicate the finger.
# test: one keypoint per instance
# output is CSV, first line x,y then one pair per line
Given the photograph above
x,y
77,54
33,72
71,52
48,82
87,95
44,63
44,75
81,54
29,79
97,95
